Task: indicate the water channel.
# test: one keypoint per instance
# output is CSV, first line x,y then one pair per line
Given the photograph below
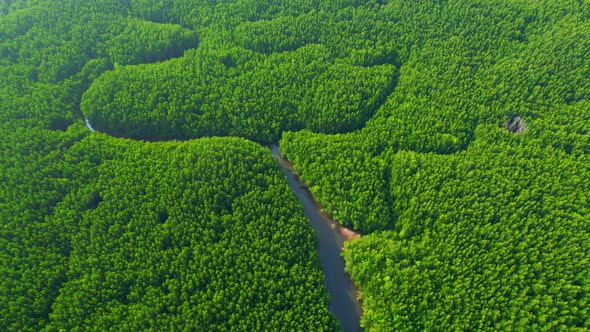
x,y
342,290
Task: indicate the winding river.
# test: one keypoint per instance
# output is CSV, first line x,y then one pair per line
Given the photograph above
x,y
344,304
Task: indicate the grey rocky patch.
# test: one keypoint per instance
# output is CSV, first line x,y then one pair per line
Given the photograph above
x,y
516,124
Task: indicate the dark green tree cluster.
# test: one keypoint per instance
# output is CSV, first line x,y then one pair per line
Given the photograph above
x,y
146,42
216,15
235,92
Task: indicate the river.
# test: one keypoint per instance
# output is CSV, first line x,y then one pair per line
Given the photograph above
x,y
344,304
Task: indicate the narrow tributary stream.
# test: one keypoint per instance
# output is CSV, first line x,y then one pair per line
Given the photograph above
x,y
344,304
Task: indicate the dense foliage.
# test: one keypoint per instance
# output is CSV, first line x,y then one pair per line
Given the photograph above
x,y
101,233
237,93
492,238
395,113
106,233
486,229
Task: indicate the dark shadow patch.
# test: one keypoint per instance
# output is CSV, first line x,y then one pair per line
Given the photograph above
x,y
162,216
60,124
167,242
94,200
228,61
